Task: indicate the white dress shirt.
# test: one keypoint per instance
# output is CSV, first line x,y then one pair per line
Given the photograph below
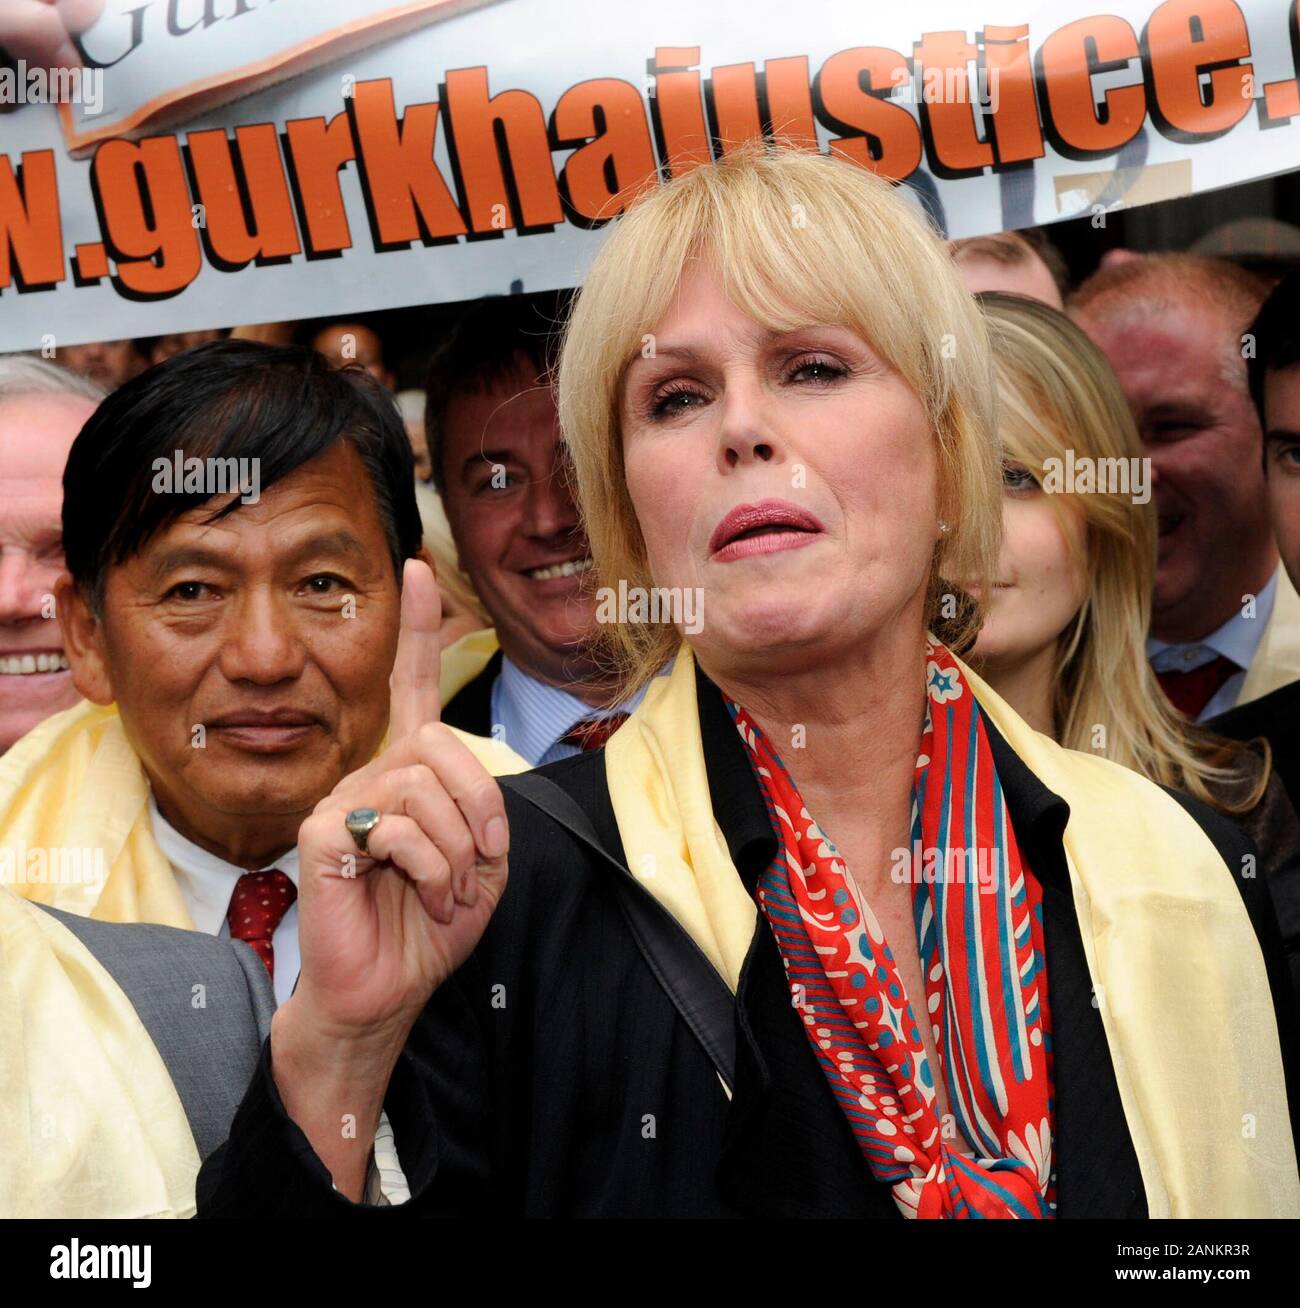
x,y
207,883
1237,639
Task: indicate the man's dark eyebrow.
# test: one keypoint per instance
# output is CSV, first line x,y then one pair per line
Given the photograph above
x,y
184,556
192,556
331,542
1277,434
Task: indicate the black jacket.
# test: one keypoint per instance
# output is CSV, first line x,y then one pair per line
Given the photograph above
x,y
552,1076
470,708
1275,718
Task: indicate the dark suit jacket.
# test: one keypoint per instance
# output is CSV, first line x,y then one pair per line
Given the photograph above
x,y
470,709
551,1075
1276,718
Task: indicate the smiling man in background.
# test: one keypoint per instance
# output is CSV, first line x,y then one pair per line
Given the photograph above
x,y
1225,625
42,408
494,441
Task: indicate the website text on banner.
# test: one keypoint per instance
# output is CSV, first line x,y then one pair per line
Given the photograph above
x,y
442,164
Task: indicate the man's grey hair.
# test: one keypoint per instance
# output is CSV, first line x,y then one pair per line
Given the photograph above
x,y
25,374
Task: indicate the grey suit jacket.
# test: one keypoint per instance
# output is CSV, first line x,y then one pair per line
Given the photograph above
x,y
206,1002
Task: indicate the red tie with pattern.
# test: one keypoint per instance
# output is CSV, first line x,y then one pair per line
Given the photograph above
x,y
260,901
592,733
1190,692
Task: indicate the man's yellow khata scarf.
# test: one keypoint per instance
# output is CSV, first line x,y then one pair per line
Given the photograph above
x,y
74,820
463,660
92,1125
1178,974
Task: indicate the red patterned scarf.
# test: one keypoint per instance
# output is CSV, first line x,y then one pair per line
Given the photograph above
x,y
979,930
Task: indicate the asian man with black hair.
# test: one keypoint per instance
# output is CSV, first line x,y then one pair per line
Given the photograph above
x,y
238,522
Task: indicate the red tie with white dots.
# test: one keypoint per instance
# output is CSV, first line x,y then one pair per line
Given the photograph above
x,y
260,901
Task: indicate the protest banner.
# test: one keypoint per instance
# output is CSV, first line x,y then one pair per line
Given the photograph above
x,y
486,153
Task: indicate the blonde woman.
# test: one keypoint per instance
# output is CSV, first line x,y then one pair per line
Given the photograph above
x,y
1064,636
687,1000
1064,639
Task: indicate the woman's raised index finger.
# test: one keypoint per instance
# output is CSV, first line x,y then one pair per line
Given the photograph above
x,y
414,685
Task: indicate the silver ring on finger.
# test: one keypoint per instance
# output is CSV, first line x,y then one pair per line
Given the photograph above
x,y
360,823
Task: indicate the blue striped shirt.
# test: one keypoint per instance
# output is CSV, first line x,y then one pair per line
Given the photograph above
x,y
531,716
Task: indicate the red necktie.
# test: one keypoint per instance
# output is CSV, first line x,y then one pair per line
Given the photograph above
x,y
260,901
592,733
1190,692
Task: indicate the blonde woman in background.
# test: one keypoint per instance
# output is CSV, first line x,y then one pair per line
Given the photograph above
x,y
1064,641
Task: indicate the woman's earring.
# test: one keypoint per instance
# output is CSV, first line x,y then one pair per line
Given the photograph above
x,y
943,527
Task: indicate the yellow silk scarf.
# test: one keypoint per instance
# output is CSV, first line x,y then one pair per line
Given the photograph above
x,y
1178,974
92,1125
74,820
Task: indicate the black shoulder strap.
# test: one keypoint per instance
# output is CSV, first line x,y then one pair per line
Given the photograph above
x,y
698,992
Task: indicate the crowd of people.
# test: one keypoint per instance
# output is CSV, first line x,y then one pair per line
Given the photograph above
x,y
949,866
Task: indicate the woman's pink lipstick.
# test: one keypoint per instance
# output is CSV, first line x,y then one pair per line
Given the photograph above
x,y
762,528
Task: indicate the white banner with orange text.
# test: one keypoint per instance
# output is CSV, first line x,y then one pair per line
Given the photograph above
x,y
218,162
